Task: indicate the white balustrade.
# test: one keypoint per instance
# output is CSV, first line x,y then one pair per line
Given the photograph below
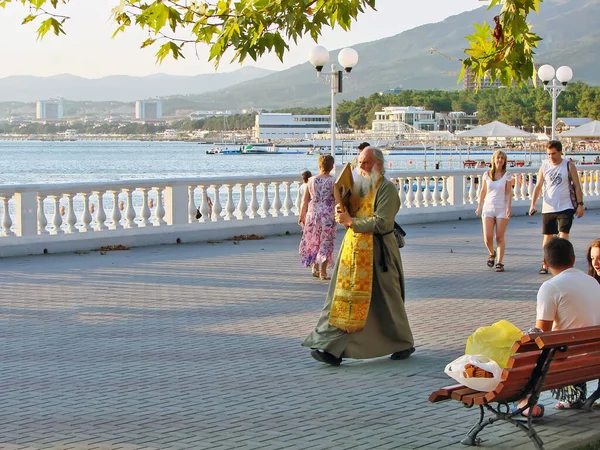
x,y
235,199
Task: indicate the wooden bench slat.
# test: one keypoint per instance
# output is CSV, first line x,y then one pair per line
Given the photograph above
x,y
556,366
528,338
566,378
459,393
567,337
444,393
523,359
522,347
469,399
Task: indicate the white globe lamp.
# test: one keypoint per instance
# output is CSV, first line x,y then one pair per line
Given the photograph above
x,y
564,74
348,58
318,57
546,73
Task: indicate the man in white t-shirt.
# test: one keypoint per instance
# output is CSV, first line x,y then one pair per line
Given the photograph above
x,y
555,177
570,299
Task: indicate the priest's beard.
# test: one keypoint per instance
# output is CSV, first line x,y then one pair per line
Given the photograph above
x,y
364,183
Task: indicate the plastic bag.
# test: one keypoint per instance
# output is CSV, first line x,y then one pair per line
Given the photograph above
x,y
494,341
456,370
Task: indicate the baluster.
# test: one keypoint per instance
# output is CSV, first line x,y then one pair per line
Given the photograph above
x,y
478,179
472,189
401,194
287,203
265,205
523,187
86,216
419,194
100,213
217,208
41,216
586,185
530,186
276,201
204,208
298,202
116,211
445,191
436,198
191,205
465,190
159,212
6,220
56,218
597,190
242,205
130,211
229,207
253,202
71,217
145,213
427,196
410,196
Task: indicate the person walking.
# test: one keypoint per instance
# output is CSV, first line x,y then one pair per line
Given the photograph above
x,y
364,315
318,221
555,177
494,206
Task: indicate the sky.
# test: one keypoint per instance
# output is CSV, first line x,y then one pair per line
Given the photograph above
x,y
88,50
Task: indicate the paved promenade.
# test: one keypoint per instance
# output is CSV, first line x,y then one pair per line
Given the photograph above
x,y
198,347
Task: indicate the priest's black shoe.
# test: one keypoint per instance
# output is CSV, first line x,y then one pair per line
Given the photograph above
x,y
404,354
325,357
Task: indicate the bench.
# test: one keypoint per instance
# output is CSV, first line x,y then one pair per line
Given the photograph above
x,y
541,361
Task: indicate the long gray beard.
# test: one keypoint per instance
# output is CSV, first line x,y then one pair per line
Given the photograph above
x,y
364,184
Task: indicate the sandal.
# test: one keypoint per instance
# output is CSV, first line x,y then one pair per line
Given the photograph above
x,y
315,272
525,413
499,267
325,277
566,405
543,270
491,260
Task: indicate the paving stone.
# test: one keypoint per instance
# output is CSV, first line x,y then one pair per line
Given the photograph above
x,y
198,346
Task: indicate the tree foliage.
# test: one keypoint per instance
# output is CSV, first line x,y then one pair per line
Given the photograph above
x,y
251,28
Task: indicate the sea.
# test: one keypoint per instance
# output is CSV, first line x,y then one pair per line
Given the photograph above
x,y
33,162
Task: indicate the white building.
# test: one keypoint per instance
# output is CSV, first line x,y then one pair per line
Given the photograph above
x,y
271,126
49,109
394,120
148,109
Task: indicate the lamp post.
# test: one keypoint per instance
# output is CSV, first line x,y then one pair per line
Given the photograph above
x,y
348,57
564,74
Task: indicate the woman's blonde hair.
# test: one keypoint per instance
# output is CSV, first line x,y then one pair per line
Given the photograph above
x,y
494,168
326,163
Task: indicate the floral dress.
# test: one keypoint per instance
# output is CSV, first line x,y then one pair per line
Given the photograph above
x,y
318,237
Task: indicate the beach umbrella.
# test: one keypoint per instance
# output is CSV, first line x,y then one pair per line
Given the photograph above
x,y
588,130
496,130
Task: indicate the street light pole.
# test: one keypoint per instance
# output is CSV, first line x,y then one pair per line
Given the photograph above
x,y
348,58
564,74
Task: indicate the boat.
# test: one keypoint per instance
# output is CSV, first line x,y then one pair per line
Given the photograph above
x,y
223,151
259,150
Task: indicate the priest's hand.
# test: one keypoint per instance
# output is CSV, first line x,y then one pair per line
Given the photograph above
x,y
342,217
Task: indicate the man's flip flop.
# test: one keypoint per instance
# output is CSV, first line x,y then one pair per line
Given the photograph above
x,y
540,408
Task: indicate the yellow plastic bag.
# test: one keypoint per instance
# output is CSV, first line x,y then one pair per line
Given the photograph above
x,y
494,341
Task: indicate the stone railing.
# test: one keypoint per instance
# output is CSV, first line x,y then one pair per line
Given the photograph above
x,y
80,216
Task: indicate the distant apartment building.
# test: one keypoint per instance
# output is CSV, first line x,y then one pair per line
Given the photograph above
x,y
456,121
470,84
400,120
271,126
49,110
148,110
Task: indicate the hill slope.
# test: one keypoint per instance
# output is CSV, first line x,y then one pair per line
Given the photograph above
x,y
405,59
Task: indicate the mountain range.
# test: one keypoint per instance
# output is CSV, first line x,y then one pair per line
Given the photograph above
x,y
568,27
120,88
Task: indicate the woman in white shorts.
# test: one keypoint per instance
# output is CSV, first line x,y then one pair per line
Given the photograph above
x,y
494,205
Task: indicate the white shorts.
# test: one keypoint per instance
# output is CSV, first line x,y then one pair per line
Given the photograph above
x,y
494,213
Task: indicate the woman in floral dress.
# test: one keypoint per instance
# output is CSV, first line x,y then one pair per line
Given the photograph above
x,y
317,216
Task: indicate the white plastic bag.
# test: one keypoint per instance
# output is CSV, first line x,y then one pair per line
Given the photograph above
x,y
456,370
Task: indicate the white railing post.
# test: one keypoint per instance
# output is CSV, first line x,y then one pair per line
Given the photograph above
x,y
116,211
71,217
229,206
56,218
159,212
265,205
410,197
456,184
42,222
100,213
145,212
191,205
401,195
298,202
445,192
242,205
176,204
597,190
216,208
204,208
25,213
276,201
6,220
253,202
287,202
86,216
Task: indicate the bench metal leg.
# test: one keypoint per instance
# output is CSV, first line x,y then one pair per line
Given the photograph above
x,y
472,439
589,402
